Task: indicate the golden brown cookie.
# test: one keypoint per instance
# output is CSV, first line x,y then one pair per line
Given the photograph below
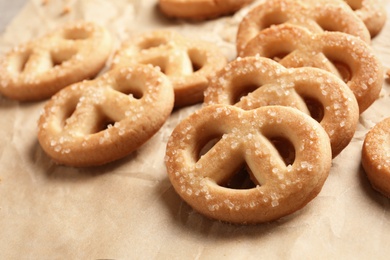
x,y
253,82
376,156
244,139
38,69
344,55
102,120
316,18
201,9
371,12
189,64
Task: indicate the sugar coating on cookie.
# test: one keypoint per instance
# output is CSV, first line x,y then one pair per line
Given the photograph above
x,y
344,55
201,9
371,12
314,17
38,69
188,63
255,81
376,156
98,121
243,138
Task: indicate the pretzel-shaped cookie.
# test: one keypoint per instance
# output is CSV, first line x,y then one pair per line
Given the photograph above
x,y
38,69
371,12
99,121
245,137
189,64
253,82
376,156
201,9
340,53
332,17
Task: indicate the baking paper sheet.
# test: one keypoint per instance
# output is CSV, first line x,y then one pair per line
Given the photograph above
x,y
129,210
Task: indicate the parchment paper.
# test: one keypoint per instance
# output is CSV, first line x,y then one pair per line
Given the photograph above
x,y
129,210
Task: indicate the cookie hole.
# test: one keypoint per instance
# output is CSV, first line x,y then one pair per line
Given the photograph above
x,y
103,123
242,91
240,180
207,146
316,109
196,66
59,57
129,89
273,18
327,25
240,176
197,59
56,62
344,71
279,56
152,43
355,4
76,33
68,110
277,50
336,55
20,61
285,149
134,93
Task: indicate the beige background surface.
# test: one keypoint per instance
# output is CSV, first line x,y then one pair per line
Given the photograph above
x,y
128,209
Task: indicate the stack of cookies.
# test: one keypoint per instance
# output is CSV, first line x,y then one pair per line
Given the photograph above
x,y
300,65
275,116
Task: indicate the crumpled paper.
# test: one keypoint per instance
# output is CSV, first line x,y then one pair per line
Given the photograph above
x,y
128,209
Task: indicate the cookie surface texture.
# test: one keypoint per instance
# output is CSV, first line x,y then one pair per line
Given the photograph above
x,y
376,156
38,69
316,18
201,9
254,81
102,120
244,138
189,64
371,12
344,55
